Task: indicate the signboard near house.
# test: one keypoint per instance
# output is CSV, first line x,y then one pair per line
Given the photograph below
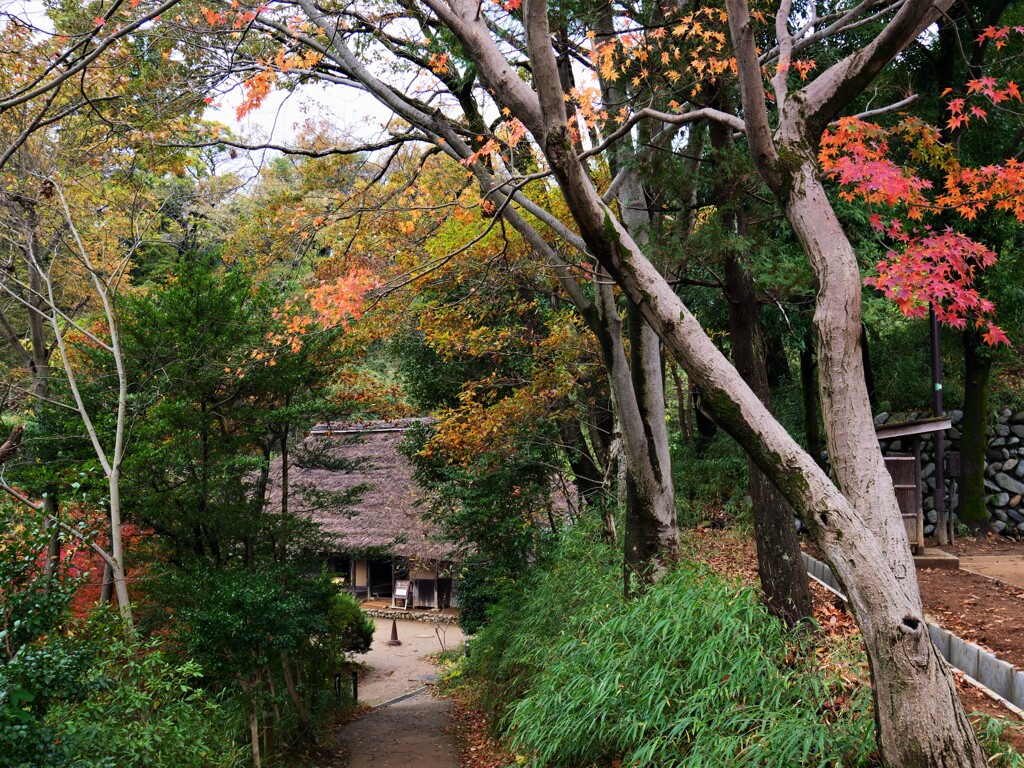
x,y
401,594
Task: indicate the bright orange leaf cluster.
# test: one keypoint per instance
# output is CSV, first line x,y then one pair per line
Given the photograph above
x,y
330,304
856,154
689,48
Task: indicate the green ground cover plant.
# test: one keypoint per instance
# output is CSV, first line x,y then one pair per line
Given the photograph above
x,y
93,698
692,673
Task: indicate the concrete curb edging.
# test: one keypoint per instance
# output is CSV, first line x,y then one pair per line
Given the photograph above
x,y
977,664
397,699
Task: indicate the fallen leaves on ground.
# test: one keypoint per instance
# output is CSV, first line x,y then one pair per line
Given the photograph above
x,y
479,749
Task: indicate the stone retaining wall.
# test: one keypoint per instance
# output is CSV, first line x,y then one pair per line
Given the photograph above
x,y
1004,468
424,616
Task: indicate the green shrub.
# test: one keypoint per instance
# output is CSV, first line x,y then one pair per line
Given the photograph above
x,y
273,639
351,629
693,673
710,479
991,731
96,700
482,584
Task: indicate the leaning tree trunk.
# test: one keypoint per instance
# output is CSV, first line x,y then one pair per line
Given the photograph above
x,y
860,533
973,441
909,675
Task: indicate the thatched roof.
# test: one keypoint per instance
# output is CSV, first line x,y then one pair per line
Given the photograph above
x,y
336,458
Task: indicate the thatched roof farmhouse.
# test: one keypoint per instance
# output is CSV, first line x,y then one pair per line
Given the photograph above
x,y
350,478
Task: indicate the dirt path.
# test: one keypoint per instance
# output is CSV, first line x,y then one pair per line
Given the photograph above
x,y
412,727
398,669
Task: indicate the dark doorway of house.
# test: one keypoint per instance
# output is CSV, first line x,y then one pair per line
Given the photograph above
x,y
444,593
380,577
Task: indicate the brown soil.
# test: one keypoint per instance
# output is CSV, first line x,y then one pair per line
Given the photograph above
x,y
976,608
989,544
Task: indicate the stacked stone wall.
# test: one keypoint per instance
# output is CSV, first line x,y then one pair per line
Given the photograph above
x,y
1004,467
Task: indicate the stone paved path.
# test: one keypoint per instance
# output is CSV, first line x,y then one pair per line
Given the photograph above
x,y
410,734
413,732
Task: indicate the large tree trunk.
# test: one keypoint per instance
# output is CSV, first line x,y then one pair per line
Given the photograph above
x,y
973,441
910,678
651,535
779,565
909,675
862,533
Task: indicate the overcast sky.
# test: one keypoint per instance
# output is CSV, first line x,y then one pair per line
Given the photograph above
x,y
283,113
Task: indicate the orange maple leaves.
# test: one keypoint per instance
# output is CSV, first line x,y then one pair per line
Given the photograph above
x,y
327,305
478,430
858,155
961,111
691,47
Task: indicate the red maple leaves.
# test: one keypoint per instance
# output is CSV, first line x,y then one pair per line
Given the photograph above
x,y
925,267
936,269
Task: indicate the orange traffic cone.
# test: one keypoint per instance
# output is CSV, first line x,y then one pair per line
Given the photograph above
x,y
394,634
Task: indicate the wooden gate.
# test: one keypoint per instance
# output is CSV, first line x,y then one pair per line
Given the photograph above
x,y
906,480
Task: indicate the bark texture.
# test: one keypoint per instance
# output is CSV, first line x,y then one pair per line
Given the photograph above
x,y
914,692
651,534
908,673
